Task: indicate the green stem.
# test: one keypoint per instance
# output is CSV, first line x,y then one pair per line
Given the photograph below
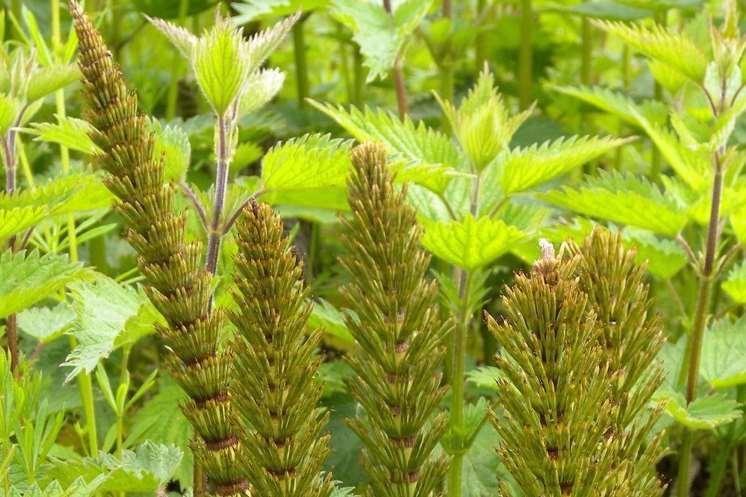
x,y
696,336
301,65
359,77
720,465
525,55
458,351
586,54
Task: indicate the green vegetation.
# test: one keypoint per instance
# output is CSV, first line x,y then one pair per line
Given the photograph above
x,y
386,248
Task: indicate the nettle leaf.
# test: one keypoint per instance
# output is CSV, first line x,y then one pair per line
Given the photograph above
x,y
328,318
182,39
663,257
262,44
261,87
78,488
623,198
485,377
704,413
380,35
723,363
735,284
159,422
9,109
47,80
109,315
146,469
419,148
27,278
482,121
524,168
470,243
16,220
75,192
307,171
220,65
45,324
67,131
172,143
675,50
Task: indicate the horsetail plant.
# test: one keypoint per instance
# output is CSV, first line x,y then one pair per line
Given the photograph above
x,y
177,283
577,324
276,391
400,334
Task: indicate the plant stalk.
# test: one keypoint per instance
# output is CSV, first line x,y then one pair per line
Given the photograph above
x,y
700,319
586,54
397,74
221,186
301,63
480,42
525,55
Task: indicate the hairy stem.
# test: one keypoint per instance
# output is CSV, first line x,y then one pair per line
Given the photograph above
x,y
700,318
221,185
525,55
301,64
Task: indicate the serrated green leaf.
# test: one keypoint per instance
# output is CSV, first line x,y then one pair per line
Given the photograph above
x,y
735,284
16,220
75,192
9,108
182,39
172,143
723,362
157,421
144,470
326,317
380,35
109,315
261,87
470,243
485,377
221,66
617,104
704,413
68,131
308,171
523,168
27,278
675,50
664,258
49,79
45,324
625,199
417,146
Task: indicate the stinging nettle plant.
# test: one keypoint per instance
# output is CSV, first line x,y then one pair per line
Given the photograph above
x,y
578,340
400,334
276,390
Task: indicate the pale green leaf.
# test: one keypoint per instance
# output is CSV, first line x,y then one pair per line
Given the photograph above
x,y
261,87
144,470
735,284
27,278
16,220
704,413
172,144
420,148
49,79
182,39
470,243
326,317
68,131
524,168
309,171
220,66
380,35
109,315
9,108
723,362
659,43
625,199
618,104
45,324
664,258
485,377
261,45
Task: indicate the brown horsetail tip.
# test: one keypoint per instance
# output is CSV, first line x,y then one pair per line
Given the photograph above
x,y
369,153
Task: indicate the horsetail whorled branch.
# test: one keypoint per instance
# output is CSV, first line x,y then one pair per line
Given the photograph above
x,y
399,331
176,281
